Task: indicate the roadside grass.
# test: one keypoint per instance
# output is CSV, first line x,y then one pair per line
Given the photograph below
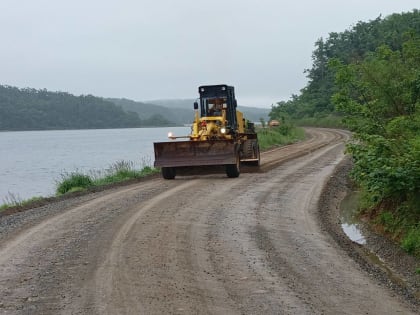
x,y
398,223
122,171
281,135
74,181
411,241
118,172
78,181
12,200
329,121
406,233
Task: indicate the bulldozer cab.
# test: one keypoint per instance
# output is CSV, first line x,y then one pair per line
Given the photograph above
x,y
215,106
216,98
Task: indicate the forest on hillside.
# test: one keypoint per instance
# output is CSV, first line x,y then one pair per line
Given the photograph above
x,y
369,76
349,47
183,109
31,109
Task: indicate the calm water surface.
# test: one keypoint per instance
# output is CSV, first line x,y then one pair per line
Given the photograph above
x,y
32,161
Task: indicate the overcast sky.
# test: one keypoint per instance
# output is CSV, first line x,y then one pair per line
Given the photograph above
x,y
162,49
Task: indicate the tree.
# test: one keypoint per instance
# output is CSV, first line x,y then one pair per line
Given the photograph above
x,y
350,46
380,98
30,109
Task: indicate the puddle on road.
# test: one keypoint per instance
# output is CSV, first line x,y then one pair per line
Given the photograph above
x,y
353,233
395,278
349,223
349,207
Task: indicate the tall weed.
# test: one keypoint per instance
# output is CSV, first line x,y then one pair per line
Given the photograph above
x,y
118,172
73,181
13,200
411,242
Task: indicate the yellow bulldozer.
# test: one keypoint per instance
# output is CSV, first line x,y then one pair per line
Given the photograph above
x,y
220,136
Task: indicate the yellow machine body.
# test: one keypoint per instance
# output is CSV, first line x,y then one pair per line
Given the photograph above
x,y
219,136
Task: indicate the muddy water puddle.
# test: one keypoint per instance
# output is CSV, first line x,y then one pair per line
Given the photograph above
x,y
349,222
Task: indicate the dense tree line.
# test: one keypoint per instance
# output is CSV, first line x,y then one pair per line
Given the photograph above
x,y
31,109
380,100
370,76
350,46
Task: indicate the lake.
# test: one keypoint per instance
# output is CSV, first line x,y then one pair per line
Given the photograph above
x,y
32,161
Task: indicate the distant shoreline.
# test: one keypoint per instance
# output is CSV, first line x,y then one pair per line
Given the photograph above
x,y
66,129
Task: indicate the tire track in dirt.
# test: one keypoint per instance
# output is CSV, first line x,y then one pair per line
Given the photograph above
x,y
195,245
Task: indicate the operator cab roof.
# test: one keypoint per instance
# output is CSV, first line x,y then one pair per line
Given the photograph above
x,y
214,90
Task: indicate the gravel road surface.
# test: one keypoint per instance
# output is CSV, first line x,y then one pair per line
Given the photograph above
x,y
194,245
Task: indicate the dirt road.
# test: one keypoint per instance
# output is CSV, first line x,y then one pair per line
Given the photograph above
x,y
194,245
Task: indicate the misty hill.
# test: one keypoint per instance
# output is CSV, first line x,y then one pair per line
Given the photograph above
x,y
250,113
31,109
147,111
174,103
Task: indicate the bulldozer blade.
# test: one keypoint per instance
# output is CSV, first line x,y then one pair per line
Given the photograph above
x,y
195,153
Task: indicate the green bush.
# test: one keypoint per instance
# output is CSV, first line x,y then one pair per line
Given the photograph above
x,y
386,218
411,242
326,121
73,181
147,170
117,172
15,201
380,100
281,135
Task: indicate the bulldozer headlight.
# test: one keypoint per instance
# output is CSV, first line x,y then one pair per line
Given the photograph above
x,y
223,130
170,135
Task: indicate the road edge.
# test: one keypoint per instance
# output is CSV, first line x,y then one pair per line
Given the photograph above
x,y
328,215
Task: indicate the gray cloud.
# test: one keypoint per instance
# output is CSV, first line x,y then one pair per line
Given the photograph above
x,y
164,49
